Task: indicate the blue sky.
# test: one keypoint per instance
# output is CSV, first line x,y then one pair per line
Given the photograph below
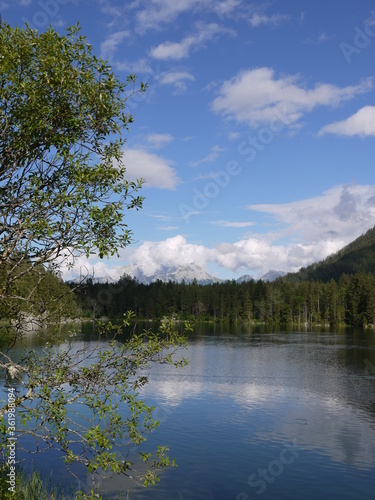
x,y
256,137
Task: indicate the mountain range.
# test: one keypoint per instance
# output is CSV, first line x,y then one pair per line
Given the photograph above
x,y
188,274
178,274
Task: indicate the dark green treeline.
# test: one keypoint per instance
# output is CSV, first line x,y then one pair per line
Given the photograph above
x,y
350,300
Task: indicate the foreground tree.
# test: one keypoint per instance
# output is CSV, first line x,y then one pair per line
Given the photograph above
x,y
64,193
63,190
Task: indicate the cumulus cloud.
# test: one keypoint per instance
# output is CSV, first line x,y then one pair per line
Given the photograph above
x,y
93,267
176,251
339,215
156,171
160,12
226,7
111,10
111,43
259,255
158,141
178,79
251,253
309,230
257,96
179,50
362,123
172,50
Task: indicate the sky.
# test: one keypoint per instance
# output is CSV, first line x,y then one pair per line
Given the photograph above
x,y
256,135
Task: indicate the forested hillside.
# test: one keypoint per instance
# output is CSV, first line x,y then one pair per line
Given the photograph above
x,y
35,291
359,255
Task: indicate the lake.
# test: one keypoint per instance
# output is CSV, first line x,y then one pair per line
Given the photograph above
x,y
262,414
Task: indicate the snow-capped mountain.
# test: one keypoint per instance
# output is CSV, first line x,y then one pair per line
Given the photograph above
x,y
187,273
245,278
269,276
272,275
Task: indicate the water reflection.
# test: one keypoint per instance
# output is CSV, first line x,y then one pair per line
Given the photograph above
x,y
291,386
244,397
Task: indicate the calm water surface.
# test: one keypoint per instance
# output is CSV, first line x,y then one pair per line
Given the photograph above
x,y
282,415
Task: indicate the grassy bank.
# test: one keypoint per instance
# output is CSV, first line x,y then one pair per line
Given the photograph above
x,y
32,487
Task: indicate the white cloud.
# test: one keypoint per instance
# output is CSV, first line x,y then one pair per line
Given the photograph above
x,y
156,171
159,12
226,7
257,97
339,215
257,19
160,216
258,256
171,50
176,251
318,39
158,141
178,79
111,43
310,230
224,223
111,10
167,228
179,50
254,13
136,67
212,156
94,268
233,136
362,123
251,253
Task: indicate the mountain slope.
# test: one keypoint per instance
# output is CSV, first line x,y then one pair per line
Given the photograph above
x,y
359,255
272,275
245,278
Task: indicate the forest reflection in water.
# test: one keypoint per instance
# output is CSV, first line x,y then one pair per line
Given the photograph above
x,y
273,413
